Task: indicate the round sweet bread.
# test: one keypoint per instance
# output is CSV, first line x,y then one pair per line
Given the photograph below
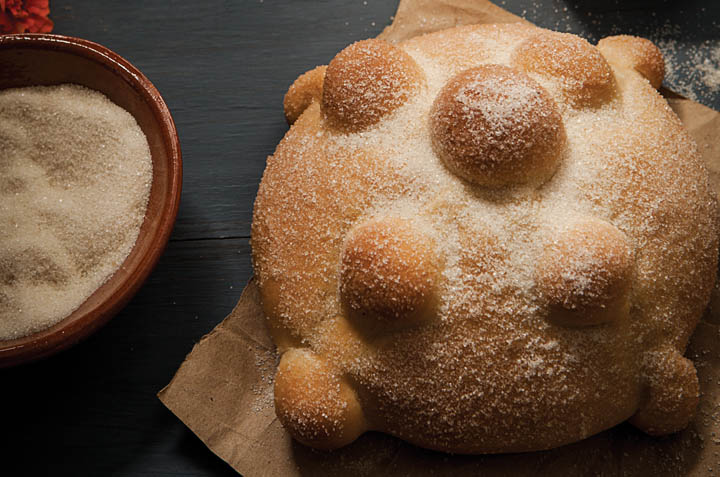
x,y
487,239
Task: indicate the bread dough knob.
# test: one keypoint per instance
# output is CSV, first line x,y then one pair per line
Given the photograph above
x,y
672,393
584,75
584,275
365,82
303,92
495,126
388,272
636,54
316,406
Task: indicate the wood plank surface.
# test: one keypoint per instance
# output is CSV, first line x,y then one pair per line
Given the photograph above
x,y
223,67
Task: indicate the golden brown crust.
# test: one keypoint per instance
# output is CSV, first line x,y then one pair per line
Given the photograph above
x,y
303,92
585,274
495,127
583,73
388,272
622,235
288,249
635,53
318,408
672,391
365,82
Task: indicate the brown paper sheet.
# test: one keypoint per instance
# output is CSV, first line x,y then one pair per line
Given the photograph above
x,y
223,390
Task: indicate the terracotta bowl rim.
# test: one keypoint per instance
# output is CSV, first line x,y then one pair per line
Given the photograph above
x,y
78,326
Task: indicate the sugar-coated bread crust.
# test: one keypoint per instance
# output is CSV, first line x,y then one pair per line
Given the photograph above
x,y
635,53
306,89
585,274
388,273
494,126
579,68
365,82
311,399
487,239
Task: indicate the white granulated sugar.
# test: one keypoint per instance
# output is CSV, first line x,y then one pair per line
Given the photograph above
x,y
75,178
501,111
266,362
710,68
691,68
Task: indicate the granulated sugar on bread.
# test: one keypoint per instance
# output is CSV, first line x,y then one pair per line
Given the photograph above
x,y
75,177
416,292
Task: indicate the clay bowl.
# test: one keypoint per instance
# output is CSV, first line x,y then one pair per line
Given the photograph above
x,y
41,59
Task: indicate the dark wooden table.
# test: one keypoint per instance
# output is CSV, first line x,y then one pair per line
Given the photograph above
x,y
223,67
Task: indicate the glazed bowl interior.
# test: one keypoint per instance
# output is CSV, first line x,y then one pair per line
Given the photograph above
x,y
42,60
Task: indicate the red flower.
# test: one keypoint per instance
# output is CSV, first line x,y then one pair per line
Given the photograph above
x,y
25,16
